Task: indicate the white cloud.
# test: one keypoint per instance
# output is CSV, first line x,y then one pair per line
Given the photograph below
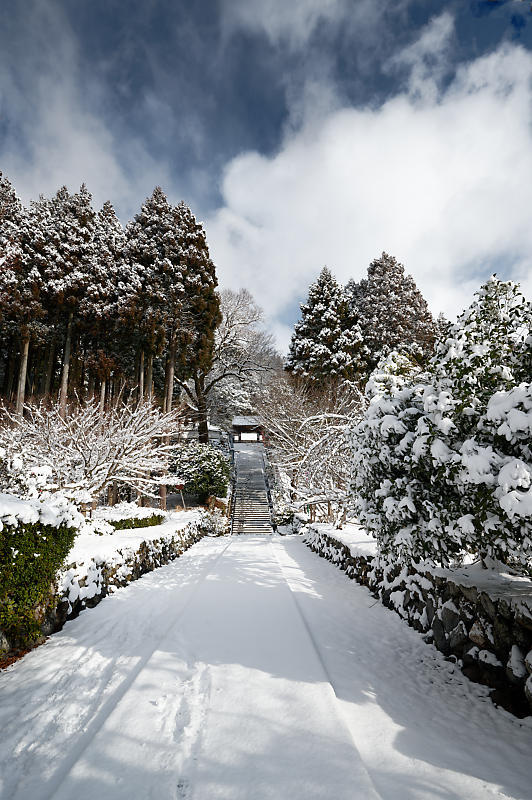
x,y
281,21
440,179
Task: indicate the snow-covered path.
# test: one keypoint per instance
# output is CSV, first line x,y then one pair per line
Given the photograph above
x,y
250,668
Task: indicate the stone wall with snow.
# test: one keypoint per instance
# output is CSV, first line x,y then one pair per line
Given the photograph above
x,y
482,621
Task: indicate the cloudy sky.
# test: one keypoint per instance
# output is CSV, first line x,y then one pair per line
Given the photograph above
x,y
302,133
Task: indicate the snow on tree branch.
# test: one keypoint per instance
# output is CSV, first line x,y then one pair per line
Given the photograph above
x,y
86,452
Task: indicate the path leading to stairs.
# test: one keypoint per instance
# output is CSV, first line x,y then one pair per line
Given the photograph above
x,y
250,669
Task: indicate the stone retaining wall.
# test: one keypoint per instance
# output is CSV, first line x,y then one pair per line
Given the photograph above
x,y
489,634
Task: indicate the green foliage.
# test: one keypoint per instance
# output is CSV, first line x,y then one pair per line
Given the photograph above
x,y
137,522
30,556
202,469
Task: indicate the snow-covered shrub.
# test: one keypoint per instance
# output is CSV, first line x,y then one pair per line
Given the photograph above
x,y
214,523
125,515
201,469
442,463
35,538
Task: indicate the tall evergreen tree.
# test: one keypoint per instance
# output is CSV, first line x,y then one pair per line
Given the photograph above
x,y
106,343
324,345
195,339
69,265
20,280
155,256
393,313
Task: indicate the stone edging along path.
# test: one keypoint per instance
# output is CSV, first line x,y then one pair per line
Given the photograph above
x,y
488,633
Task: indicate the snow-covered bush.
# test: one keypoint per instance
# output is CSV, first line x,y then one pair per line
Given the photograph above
x,y
442,460
214,523
201,469
124,516
35,538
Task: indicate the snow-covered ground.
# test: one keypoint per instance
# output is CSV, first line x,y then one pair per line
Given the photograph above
x,y
82,578
250,668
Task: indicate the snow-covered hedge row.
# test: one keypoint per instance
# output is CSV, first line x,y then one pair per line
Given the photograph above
x,y
38,593
443,459
482,619
123,516
35,537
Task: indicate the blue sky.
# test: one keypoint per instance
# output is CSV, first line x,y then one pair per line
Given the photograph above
x,y
306,133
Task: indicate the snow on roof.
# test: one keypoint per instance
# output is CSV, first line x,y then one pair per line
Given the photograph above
x,y
243,422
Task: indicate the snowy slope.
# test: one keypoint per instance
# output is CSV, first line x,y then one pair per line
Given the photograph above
x,y
250,668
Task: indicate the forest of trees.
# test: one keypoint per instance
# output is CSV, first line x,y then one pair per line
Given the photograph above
x,y
90,309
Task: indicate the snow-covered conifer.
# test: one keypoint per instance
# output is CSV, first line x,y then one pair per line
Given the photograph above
x,y
154,251
393,314
20,281
323,344
195,339
106,340
442,460
67,263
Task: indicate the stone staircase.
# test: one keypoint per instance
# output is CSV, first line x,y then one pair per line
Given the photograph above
x,y
251,510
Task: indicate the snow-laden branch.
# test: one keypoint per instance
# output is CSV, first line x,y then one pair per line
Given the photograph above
x,y
307,437
89,450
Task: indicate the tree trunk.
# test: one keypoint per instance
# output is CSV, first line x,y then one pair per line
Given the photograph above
x,y
102,397
66,366
141,376
162,497
31,372
47,388
8,367
149,377
170,370
90,385
10,375
203,425
112,494
22,373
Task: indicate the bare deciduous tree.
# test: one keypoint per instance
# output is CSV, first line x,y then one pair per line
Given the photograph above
x,y
89,450
243,352
308,439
